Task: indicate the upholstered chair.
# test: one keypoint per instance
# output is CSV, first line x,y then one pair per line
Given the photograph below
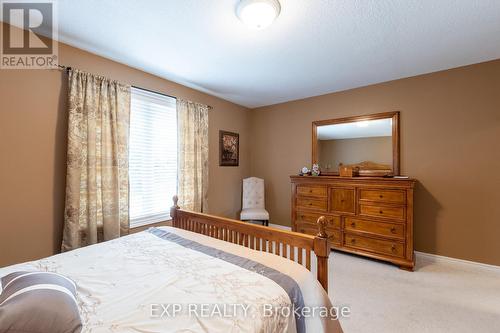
x,y
253,208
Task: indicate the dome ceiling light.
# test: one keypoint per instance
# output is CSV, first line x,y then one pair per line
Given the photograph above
x,y
258,14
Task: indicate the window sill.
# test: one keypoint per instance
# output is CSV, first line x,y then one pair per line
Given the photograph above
x,y
139,228
149,220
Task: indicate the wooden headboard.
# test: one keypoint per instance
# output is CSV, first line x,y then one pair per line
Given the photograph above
x,y
291,245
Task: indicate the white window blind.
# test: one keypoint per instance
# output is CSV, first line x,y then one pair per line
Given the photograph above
x,y
152,156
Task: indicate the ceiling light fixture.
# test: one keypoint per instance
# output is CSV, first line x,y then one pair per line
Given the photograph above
x,y
258,14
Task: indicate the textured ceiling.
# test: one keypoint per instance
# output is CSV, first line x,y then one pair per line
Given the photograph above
x,y
314,47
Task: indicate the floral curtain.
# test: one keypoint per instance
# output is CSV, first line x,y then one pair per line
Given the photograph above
x,y
192,127
97,160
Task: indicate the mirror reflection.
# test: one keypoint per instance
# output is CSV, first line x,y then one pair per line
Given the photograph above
x,y
355,142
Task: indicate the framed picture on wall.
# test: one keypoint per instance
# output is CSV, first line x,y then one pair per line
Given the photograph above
x,y
229,148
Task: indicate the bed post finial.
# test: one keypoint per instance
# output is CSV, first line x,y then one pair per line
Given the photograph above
x,y
322,250
173,210
322,221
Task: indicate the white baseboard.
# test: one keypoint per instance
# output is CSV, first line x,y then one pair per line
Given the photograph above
x,y
428,256
442,259
279,226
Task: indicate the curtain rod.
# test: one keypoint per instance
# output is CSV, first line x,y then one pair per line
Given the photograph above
x,y
159,93
67,68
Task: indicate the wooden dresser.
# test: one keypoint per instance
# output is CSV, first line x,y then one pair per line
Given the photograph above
x,y
368,216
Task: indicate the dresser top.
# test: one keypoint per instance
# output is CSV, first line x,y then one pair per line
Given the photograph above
x,y
353,179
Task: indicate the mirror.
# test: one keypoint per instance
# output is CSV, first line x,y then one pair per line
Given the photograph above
x,y
369,143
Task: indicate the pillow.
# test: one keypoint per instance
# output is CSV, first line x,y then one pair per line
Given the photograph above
x,y
40,302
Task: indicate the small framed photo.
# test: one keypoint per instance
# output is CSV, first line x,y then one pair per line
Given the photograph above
x,y
229,148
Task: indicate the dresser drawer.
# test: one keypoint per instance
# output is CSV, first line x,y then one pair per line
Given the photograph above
x,y
333,234
388,247
333,221
312,191
343,200
382,211
377,228
391,196
311,203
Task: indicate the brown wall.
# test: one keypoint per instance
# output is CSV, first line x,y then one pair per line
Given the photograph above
x,y
350,151
450,132
33,127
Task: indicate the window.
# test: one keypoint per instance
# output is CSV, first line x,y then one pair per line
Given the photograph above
x,y
152,156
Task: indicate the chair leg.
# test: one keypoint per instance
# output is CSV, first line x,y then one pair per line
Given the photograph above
x,y
266,223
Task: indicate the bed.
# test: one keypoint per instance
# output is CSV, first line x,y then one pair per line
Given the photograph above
x,y
203,274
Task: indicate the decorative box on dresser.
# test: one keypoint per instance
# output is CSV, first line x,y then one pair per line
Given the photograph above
x,y
369,216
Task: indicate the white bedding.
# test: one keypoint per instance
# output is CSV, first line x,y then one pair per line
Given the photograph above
x,y
124,285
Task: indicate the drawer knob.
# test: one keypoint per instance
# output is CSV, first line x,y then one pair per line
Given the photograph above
x,y
393,230
353,224
381,212
381,196
310,204
342,200
310,191
353,241
393,248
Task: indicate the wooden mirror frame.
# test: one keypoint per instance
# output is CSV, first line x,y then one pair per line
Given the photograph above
x,y
395,135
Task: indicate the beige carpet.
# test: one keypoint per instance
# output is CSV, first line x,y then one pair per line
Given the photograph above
x,y
437,297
